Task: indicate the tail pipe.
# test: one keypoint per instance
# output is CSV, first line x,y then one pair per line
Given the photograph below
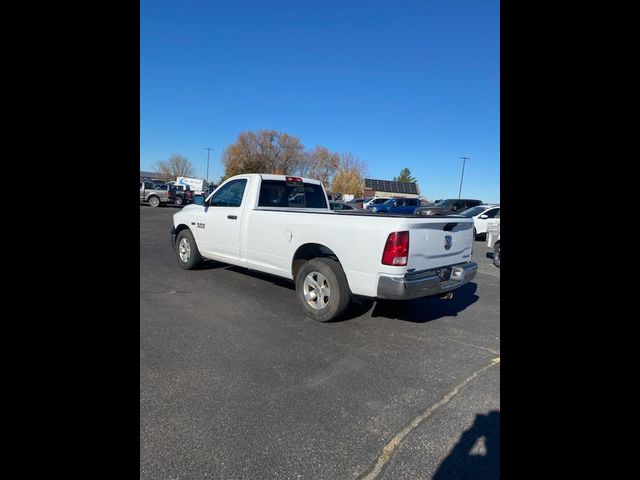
x,y
446,296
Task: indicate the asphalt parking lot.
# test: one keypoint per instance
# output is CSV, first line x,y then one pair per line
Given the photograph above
x,y
235,382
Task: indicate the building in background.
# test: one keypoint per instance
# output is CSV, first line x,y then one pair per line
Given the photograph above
x,y
389,188
152,177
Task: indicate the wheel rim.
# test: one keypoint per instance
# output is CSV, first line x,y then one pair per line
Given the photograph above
x,y
184,250
154,202
178,201
316,290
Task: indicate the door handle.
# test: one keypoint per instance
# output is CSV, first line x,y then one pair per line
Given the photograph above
x,y
232,217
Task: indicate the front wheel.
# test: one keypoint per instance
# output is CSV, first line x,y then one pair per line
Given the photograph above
x,y
322,289
178,201
496,255
187,250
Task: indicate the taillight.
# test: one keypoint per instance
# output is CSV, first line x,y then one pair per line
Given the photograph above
x,y
396,250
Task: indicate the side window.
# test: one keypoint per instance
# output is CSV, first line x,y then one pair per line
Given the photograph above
x,y
412,202
493,212
230,194
148,185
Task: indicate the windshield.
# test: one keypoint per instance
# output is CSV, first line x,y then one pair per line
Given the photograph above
x,y
443,204
472,212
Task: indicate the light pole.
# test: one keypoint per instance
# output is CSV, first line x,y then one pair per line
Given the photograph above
x,y
464,160
208,149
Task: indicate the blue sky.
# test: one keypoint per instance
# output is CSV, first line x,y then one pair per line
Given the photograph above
x,y
398,83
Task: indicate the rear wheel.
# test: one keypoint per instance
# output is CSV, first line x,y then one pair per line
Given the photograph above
x,y
154,201
187,250
496,255
178,201
322,289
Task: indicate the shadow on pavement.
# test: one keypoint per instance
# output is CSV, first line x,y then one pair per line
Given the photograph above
x,y
477,453
210,265
422,310
281,282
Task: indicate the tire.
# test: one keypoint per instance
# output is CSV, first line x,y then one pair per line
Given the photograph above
x,y
323,272
186,250
154,201
178,201
475,234
496,255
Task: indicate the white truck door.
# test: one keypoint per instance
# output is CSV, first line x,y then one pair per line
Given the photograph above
x,y
219,232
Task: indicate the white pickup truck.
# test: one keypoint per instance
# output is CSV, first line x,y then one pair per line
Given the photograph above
x,y
283,226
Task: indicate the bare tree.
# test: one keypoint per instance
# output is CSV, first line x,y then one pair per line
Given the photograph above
x,y
320,164
264,151
349,177
175,166
290,154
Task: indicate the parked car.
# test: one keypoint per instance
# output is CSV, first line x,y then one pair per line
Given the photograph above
x,y
357,202
155,195
181,195
448,207
369,204
250,222
481,215
345,207
397,205
493,241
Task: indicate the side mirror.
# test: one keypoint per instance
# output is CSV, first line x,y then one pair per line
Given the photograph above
x,y
484,216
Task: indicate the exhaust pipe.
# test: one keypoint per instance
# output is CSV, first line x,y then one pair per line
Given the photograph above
x,y
446,296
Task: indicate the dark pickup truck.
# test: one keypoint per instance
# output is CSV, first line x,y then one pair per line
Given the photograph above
x,y
181,195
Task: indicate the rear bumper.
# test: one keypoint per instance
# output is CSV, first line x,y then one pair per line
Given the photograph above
x,y
426,282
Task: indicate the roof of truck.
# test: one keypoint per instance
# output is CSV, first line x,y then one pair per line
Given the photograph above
x,y
269,176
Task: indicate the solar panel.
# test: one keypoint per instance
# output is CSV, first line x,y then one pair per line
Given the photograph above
x,y
391,186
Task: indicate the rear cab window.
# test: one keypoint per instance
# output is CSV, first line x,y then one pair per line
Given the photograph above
x,y
291,194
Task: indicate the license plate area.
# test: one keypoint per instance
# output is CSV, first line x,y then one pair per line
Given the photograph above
x,y
444,274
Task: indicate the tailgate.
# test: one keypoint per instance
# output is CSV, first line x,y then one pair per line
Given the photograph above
x,y
436,242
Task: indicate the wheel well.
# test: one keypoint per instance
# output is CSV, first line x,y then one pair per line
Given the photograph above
x,y
152,196
180,228
309,251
